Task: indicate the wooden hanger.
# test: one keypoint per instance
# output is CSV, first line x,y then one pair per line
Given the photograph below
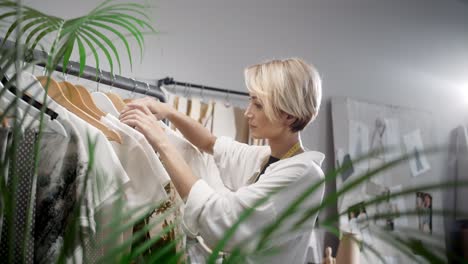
x,y
74,96
89,101
116,100
56,93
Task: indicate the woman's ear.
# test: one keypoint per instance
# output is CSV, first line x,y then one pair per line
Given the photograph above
x,y
291,120
288,119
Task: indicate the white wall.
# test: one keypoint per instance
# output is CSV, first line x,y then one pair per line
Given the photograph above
x,y
410,53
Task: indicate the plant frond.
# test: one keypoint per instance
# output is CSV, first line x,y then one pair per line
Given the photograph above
x,y
107,41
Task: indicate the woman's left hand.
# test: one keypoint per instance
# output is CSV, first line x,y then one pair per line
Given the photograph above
x,y
146,123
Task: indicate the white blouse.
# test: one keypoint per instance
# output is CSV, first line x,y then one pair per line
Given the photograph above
x,y
210,214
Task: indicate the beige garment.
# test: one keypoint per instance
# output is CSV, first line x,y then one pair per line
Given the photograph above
x,y
204,107
258,142
224,121
175,104
242,125
183,105
195,108
206,115
189,107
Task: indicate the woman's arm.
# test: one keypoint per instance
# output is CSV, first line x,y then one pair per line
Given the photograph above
x,y
180,173
191,129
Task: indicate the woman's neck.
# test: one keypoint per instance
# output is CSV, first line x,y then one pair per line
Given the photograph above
x,y
280,146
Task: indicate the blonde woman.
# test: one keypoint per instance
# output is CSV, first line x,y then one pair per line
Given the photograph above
x,y
285,97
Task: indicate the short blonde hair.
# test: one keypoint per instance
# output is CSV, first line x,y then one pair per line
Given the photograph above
x,y
288,86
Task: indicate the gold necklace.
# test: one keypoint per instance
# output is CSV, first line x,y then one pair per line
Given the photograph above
x,y
291,152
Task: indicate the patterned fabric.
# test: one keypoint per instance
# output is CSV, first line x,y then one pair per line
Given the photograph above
x,y
20,174
4,134
172,238
62,167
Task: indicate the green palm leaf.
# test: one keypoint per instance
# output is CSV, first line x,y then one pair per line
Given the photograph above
x,y
68,51
120,35
85,29
107,41
93,49
100,45
84,34
7,15
131,28
82,53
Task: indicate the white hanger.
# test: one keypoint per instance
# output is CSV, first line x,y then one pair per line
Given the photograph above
x,y
30,110
103,102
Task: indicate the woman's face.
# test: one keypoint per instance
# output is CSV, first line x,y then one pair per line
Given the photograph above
x,y
260,126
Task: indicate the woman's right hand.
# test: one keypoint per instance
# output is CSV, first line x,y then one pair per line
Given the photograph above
x,y
158,109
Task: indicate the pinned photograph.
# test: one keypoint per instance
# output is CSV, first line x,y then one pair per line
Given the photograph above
x,y
348,163
414,147
344,160
390,210
358,143
358,221
357,217
424,209
391,139
399,207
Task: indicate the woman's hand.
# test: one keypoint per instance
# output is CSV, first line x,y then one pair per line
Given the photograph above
x,y
146,123
142,119
160,110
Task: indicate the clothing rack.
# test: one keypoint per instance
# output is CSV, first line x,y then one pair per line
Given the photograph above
x,y
169,81
91,73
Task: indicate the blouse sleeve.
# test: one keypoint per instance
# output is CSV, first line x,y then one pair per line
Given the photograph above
x,y
211,214
237,162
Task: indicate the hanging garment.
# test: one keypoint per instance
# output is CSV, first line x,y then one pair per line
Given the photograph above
x,y
173,240
183,105
105,182
195,109
155,163
189,107
104,103
174,205
57,186
22,195
4,135
175,105
242,125
63,164
173,208
211,214
198,162
107,175
204,112
145,186
224,121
